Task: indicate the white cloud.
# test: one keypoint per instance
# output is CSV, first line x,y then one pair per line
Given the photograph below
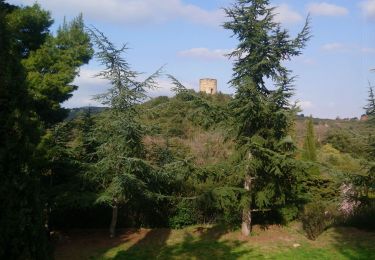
x,y
335,46
89,86
340,47
285,15
305,60
88,77
368,8
164,89
326,9
134,11
309,61
205,53
305,104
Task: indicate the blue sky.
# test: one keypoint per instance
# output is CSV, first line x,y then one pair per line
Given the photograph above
x,y
187,36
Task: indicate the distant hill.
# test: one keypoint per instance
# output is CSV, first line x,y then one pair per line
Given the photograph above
x,y
197,125
74,112
347,135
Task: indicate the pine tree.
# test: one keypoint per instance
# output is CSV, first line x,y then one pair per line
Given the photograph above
x,y
263,116
121,170
370,107
309,147
36,71
22,235
53,66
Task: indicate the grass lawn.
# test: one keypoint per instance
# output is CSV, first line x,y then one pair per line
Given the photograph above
x,y
213,242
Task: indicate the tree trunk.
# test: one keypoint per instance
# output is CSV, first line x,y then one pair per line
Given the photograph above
x,y
112,228
246,213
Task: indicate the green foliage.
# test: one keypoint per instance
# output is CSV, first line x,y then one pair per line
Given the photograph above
x,y
342,168
347,142
185,215
315,219
340,141
52,68
160,154
336,160
178,88
29,28
201,194
309,146
164,161
66,152
120,171
262,117
21,220
263,44
227,203
208,109
263,133
289,213
370,107
37,70
185,114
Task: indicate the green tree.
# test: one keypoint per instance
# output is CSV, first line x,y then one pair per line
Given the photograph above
x,y
66,151
370,107
263,116
36,71
121,171
52,67
22,235
309,146
368,181
28,25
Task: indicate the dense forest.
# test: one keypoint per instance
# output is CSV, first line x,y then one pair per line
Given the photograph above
x,y
233,160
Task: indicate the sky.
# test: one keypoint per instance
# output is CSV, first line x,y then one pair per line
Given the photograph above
x,y
186,36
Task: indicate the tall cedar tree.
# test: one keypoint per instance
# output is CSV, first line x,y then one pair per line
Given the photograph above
x,y
263,116
368,180
120,171
370,107
309,146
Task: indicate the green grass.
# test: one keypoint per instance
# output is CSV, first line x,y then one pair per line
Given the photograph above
x,y
214,242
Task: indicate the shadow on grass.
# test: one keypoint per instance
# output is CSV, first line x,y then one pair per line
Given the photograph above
x,y
148,247
353,243
204,244
82,244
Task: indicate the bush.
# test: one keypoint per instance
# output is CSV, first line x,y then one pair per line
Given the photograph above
x,y
176,131
315,219
288,213
184,216
346,142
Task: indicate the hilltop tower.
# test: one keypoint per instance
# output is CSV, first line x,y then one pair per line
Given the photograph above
x,y
208,86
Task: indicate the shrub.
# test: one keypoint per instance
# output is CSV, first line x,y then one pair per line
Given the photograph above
x,y
315,219
176,131
346,142
184,215
158,100
288,213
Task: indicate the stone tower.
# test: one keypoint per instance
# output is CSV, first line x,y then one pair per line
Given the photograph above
x,y
208,86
